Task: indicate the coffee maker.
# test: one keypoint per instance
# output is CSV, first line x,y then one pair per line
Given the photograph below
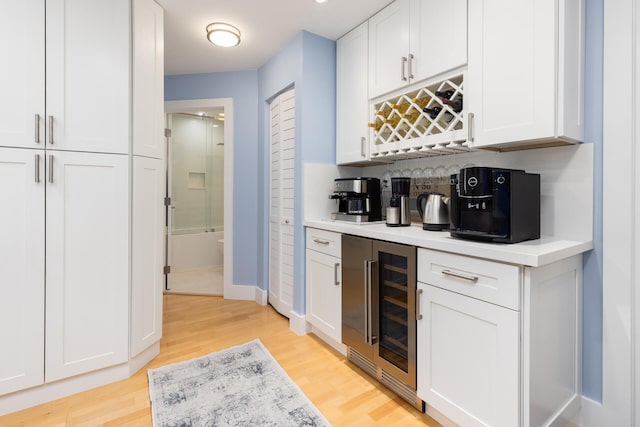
x,y
495,205
358,199
398,213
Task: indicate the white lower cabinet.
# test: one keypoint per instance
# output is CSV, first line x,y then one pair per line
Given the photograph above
x,y
324,283
87,262
499,344
21,269
468,358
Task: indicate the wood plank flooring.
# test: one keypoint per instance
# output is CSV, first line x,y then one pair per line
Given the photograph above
x,y
198,325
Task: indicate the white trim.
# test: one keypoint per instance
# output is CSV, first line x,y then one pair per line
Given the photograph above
x,y
194,105
619,218
261,296
298,323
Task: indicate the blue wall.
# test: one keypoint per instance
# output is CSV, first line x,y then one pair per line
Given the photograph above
x,y
592,292
242,86
308,64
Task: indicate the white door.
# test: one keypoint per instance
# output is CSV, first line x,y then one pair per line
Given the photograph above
x,y
88,73
22,75
147,252
468,358
148,80
352,107
324,293
282,147
389,48
21,269
87,263
510,85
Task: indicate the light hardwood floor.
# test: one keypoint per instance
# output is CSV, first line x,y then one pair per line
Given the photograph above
x,y
197,325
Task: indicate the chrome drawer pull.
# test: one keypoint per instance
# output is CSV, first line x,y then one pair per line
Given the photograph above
x,y
336,279
460,275
321,242
418,303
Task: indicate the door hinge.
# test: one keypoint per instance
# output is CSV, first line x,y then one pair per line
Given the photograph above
x,y
167,132
167,201
167,269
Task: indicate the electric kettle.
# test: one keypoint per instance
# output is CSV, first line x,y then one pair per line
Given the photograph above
x,y
435,214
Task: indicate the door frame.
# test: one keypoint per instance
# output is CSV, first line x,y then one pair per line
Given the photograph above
x,y
194,106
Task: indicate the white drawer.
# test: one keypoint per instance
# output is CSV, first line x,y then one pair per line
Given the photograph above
x,y
485,280
326,242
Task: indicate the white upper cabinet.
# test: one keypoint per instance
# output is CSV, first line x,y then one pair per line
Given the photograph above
x,y
352,108
411,40
22,73
148,80
525,72
88,74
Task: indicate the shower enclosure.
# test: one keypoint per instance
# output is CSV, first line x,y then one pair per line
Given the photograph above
x,y
196,172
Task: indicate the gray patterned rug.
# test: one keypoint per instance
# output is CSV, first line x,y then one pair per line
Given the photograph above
x,y
239,386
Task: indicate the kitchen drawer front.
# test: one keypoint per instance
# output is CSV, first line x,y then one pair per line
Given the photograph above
x,y
323,241
485,280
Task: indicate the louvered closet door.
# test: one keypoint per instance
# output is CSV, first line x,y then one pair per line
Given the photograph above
x,y
282,146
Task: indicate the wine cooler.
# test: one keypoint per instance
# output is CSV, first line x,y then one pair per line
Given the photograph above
x,y
379,311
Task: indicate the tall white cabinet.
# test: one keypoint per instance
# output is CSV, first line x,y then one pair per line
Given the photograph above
x,y
70,308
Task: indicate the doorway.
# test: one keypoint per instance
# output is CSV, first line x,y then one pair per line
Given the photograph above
x,y
199,190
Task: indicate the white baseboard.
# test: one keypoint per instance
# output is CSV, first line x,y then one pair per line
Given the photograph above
x,y
338,346
146,356
261,296
591,413
298,323
238,292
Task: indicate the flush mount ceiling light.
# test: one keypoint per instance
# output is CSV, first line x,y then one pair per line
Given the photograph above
x,y
222,34
320,1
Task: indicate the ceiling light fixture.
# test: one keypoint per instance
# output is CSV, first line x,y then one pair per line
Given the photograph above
x,y
222,34
321,1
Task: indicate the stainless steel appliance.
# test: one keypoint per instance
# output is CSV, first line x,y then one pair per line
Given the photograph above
x,y
435,214
495,205
379,312
398,213
358,199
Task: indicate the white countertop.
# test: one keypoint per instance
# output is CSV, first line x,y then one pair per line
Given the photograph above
x,y
531,253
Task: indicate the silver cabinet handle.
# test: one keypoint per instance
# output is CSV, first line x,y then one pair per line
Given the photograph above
x,y
460,275
37,126
418,295
410,66
321,242
470,124
403,65
336,279
51,168
367,276
363,142
37,177
51,130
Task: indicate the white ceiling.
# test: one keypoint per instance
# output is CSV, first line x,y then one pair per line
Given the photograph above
x,y
266,26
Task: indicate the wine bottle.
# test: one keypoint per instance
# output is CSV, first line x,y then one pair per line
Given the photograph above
x,y
376,126
447,94
456,104
400,108
421,102
411,117
433,112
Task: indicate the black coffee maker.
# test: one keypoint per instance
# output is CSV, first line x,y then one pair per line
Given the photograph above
x,y
398,213
358,199
495,205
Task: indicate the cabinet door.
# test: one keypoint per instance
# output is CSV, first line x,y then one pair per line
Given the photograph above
x,y
468,358
438,38
148,80
510,86
22,73
87,84
324,293
87,295
147,260
21,269
389,48
352,107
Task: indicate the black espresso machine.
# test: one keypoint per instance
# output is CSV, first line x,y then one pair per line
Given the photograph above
x,y
358,199
495,205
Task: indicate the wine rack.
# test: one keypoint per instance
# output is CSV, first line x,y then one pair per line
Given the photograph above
x,y
419,123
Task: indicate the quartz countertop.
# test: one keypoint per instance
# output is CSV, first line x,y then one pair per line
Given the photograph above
x,y
532,253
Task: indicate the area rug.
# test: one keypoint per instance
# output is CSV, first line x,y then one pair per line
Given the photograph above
x,y
239,386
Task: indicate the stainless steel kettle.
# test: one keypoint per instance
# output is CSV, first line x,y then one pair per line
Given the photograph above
x,y
435,214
